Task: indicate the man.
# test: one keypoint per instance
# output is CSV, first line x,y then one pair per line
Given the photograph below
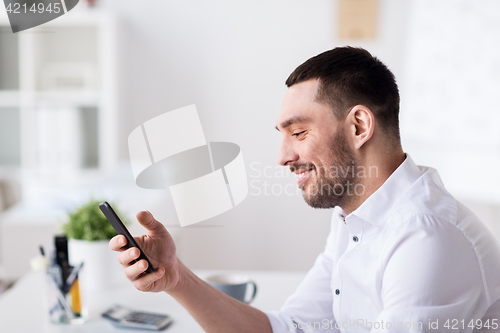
x,y
402,255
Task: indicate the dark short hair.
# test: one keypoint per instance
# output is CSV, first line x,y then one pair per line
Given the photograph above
x,y
350,76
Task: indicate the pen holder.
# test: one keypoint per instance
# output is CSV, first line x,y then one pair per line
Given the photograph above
x,y
65,301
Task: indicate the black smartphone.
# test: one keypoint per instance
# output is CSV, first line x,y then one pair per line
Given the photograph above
x,y
120,228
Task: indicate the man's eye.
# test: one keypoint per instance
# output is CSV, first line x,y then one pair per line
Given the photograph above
x,y
297,134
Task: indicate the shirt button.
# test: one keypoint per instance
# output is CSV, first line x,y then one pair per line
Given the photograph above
x,y
337,292
355,238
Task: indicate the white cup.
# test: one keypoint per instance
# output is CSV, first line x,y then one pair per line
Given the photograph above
x,y
233,285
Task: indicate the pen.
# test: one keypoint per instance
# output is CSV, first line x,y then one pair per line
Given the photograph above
x,y
72,277
62,300
74,291
73,287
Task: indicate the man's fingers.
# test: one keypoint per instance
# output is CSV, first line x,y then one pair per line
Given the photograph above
x,y
117,243
145,282
136,272
147,220
133,271
126,257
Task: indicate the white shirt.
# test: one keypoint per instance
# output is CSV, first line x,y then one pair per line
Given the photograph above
x,y
410,259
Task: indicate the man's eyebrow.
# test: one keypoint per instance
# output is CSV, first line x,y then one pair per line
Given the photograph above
x,y
292,120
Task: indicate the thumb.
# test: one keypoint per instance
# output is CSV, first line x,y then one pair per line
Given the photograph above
x,y
147,220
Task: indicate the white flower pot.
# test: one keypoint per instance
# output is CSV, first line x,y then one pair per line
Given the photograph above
x,y
100,269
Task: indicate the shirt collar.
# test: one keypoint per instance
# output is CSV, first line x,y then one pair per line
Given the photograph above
x,y
377,207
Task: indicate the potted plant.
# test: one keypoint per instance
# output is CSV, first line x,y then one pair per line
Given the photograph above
x,y
88,232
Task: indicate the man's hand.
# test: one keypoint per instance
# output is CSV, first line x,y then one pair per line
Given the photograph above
x,y
159,247
212,309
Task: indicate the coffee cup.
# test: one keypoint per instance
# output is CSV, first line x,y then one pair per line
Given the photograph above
x,y
233,285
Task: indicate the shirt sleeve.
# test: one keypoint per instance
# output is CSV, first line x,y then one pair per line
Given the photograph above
x,y
432,280
309,309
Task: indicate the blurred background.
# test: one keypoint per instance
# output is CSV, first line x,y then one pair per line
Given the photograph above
x,y
73,89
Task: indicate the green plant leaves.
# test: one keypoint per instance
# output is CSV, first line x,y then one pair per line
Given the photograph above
x,y
89,223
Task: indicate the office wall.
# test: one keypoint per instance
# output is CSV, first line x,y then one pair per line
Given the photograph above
x,y
231,59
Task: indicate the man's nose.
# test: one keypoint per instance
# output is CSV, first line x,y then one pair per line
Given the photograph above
x,y
286,153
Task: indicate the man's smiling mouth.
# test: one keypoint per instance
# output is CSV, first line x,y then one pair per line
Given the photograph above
x,y
302,175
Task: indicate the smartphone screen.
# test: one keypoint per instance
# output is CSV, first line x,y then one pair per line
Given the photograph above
x,y
120,228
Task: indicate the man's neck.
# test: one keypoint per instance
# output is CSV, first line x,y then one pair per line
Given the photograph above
x,y
376,171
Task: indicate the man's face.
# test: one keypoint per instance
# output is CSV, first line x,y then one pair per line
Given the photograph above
x,y
315,147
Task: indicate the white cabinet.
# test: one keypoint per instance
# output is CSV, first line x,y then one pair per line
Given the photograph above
x,y
58,121
58,96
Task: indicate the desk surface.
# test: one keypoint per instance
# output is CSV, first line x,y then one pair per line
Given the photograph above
x,y
23,308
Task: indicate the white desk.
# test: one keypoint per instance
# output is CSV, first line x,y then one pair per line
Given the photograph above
x,y
23,308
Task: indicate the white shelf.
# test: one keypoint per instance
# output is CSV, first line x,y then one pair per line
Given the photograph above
x,y
65,64
72,98
10,98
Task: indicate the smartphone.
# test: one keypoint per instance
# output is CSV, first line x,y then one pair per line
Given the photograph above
x,y
120,228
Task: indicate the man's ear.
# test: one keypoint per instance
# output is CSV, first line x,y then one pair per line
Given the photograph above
x,y
362,124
